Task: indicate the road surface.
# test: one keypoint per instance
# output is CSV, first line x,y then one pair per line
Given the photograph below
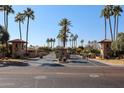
x,y
79,74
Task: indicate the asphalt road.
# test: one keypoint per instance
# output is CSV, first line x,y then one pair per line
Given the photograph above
x,y
79,74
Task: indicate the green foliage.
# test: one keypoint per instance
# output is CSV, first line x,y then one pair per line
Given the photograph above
x,y
63,34
118,45
4,35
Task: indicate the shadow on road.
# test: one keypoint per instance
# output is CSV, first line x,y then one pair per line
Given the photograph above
x,y
78,62
52,65
5,64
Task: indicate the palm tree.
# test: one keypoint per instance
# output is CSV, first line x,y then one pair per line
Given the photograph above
x,y
76,37
116,11
107,12
104,14
48,42
3,9
29,13
54,42
58,37
65,23
72,40
9,10
82,41
20,19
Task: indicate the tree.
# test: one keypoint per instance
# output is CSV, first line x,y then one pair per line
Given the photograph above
x,y
118,45
7,9
75,39
72,40
64,23
20,19
59,39
54,42
29,13
104,14
120,41
4,36
48,42
116,12
107,12
82,41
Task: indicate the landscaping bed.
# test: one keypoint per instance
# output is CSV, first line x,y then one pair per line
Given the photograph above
x,y
13,62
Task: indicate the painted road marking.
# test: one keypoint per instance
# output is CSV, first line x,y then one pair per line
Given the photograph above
x,y
94,75
40,77
7,84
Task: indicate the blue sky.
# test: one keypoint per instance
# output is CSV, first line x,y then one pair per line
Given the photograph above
x,y
86,22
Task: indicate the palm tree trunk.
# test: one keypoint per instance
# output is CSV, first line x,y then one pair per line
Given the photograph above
x,y
4,19
110,29
27,35
20,30
72,43
48,44
64,41
51,44
59,42
105,29
114,26
7,21
76,43
117,26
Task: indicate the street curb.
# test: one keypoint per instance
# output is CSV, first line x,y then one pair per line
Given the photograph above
x,y
110,64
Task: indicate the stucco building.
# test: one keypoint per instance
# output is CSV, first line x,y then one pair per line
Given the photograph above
x,y
105,48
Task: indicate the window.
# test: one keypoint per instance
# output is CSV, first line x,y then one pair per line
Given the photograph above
x,y
107,45
16,46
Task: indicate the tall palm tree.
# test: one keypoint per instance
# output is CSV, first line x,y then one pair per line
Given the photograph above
x,y
29,13
9,10
65,23
3,9
72,40
54,42
76,37
104,14
110,13
59,39
48,42
107,12
117,12
20,19
82,41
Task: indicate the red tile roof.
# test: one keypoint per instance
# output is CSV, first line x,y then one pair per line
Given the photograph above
x,y
105,41
17,41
